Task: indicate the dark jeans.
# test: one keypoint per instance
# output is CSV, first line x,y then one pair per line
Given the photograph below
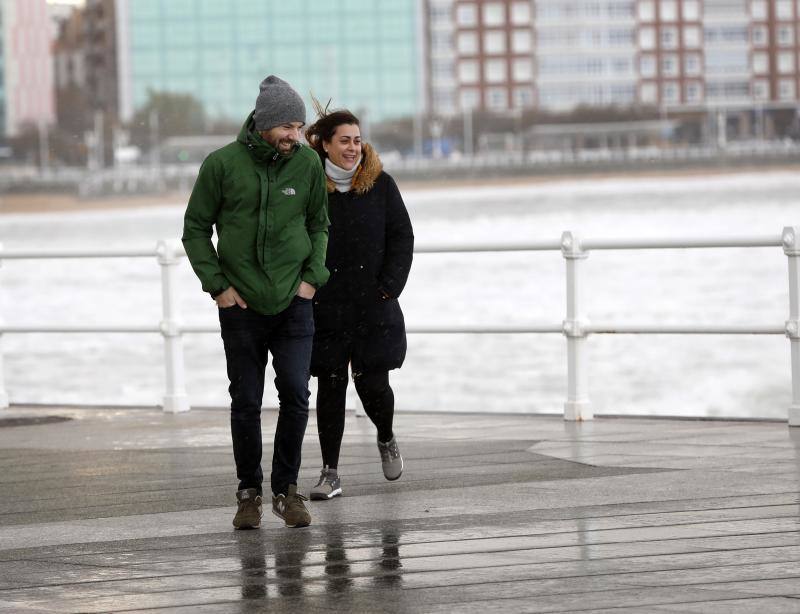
x,y
376,395
248,337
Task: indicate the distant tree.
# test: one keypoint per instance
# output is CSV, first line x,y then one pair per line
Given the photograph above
x,y
175,114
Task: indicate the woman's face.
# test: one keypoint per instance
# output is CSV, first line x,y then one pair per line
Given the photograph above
x,y
344,148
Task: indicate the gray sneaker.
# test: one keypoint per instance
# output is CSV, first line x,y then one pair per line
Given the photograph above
x,y
248,514
290,508
390,459
328,486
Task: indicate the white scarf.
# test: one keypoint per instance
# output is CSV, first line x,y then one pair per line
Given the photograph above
x,y
341,178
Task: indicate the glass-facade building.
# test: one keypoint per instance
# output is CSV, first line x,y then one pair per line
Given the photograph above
x,y
363,54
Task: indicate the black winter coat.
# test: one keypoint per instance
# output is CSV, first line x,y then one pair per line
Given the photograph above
x,y
370,246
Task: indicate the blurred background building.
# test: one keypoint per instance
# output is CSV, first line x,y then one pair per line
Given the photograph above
x,y
363,54
26,67
120,81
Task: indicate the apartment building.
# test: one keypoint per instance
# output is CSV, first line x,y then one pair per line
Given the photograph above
x,y
26,75
556,55
493,58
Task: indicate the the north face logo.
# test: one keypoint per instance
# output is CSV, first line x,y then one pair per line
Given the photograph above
x,y
288,191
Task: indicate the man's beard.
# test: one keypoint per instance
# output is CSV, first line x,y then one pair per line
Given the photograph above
x,y
286,145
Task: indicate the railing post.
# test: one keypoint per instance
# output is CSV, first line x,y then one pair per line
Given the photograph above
x,y
175,397
791,247
3,393
578,406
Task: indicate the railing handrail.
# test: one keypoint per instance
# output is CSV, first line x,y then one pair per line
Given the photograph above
x,y
588,244
575,327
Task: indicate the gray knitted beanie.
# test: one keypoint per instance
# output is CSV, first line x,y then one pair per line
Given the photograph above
x,y
277,104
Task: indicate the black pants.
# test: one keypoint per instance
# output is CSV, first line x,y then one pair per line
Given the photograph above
x,y
376,395
248,338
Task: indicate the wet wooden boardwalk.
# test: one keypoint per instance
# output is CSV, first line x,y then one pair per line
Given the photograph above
x,y
130,511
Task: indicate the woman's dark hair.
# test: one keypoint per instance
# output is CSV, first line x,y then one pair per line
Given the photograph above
x,y
324,128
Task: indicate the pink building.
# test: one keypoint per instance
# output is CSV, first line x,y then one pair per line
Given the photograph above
x,y
26,84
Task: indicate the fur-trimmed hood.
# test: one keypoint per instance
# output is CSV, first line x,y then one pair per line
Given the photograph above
x,y
367,172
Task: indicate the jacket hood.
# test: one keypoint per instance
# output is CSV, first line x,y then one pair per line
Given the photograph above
x,y
367,173
255,143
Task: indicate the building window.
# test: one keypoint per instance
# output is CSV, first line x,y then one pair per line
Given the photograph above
x,y
494,14
783,9
785,36
691,36
442,71
467,15
760,63
522,70
444,102
647,10
620,37
786,89
694,92
468,71
521,13
470,98
669,38
495,71
691,10
669,66
622,9
726,34
785,62
761,89
621,66
467,43
523,97
671,93
647,38
521,41
691,64
494,41
758,9
647,66
668,10
441,43
648,93
497,98
440,13
758,35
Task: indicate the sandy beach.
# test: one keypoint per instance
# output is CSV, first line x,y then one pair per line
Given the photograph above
x,y
41,202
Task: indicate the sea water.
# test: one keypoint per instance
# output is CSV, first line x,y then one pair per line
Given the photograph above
x,y
685,375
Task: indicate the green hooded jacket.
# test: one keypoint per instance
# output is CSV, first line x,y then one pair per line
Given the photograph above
x,y
271,217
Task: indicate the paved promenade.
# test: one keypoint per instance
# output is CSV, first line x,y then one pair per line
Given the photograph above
x,y
130,511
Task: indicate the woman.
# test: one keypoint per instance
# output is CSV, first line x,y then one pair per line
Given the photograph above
x,y
356,314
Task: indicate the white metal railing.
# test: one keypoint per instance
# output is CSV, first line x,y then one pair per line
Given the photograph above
x,y
576,326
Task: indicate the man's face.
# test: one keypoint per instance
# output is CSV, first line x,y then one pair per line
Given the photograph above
x,y
283,137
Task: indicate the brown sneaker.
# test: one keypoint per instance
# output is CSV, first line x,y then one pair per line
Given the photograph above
x,y
290,508
248,516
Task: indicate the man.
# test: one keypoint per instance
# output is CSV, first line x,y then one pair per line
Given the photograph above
x,y
266,195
